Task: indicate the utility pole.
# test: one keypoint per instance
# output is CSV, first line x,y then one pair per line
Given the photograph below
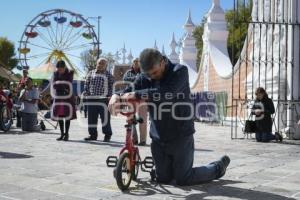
x,y
98,45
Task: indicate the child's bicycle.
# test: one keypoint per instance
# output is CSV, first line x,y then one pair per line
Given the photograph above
x,y
129,161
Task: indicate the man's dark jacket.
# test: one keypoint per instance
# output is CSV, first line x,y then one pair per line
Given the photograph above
x,y
172,89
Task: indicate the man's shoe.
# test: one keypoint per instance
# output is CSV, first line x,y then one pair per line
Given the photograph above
x,y
278,137
107,138
142,144
222,165
135,142
90,138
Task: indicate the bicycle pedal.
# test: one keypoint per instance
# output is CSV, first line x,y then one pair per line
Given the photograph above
x,y
148,162
111,161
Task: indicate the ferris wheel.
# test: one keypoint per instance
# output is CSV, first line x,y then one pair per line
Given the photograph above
x,y
56,34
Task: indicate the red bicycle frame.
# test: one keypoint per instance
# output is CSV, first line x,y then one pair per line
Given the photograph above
x,y
130,148
129,145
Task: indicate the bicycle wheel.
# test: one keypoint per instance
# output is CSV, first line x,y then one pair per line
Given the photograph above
x,y
123,172
5,119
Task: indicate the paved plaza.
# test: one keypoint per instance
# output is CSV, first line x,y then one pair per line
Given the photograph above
x,y
36,166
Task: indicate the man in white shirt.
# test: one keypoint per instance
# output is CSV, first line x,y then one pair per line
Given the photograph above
x,y
29,97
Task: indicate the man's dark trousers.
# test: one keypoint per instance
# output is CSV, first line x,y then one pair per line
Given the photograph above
x,y
174,160
96,108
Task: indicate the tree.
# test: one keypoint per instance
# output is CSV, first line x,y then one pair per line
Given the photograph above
x,y
111,60
7,54
237,24
198,33
88,59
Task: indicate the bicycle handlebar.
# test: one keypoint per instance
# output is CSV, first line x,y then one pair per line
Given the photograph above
x,y
133,103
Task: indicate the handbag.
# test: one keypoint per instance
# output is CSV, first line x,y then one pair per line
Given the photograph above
x,y
250,126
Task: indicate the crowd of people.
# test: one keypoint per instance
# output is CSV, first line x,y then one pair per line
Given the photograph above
x,y
172,144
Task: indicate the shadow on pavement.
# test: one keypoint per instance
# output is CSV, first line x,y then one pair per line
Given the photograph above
x,y
9,155
205,150
14,132
18,131
120,144
284,142
214,190
97,142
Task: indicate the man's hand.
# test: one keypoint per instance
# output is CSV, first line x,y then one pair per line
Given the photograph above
x,y
114,104
258,111
128,96
33,101
22,95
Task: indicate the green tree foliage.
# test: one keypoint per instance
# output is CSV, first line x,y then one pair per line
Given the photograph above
x,y
88,59
7,54
238,20
198,32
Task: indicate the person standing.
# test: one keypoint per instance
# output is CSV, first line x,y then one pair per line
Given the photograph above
x,y
98,87
29,97
263,109
63,108
130,76
20,87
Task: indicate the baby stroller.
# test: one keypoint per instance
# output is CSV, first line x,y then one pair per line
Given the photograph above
x,y
44,111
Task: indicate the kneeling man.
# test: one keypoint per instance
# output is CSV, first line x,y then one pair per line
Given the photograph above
x,y
165,86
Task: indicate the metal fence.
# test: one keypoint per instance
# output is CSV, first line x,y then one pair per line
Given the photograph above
x,y
269,59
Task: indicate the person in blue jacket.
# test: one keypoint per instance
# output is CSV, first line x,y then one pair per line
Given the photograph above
x,y
165,86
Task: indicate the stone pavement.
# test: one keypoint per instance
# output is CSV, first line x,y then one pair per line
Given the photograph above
x,y
36,166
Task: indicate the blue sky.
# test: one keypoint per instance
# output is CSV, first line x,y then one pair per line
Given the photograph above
x,y
138,23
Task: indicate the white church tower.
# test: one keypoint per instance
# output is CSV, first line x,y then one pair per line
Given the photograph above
x,y
215,51
174,58
188,51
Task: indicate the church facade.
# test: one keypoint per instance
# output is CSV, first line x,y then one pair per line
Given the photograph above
x,y
269,59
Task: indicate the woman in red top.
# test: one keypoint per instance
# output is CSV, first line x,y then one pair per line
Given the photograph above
x,y
63,108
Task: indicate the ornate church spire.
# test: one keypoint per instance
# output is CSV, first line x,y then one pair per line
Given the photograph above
x,y
173,56
124,54
130,57
155,45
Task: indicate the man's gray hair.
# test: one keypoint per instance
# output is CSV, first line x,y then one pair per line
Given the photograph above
x,y
149,58
102,58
